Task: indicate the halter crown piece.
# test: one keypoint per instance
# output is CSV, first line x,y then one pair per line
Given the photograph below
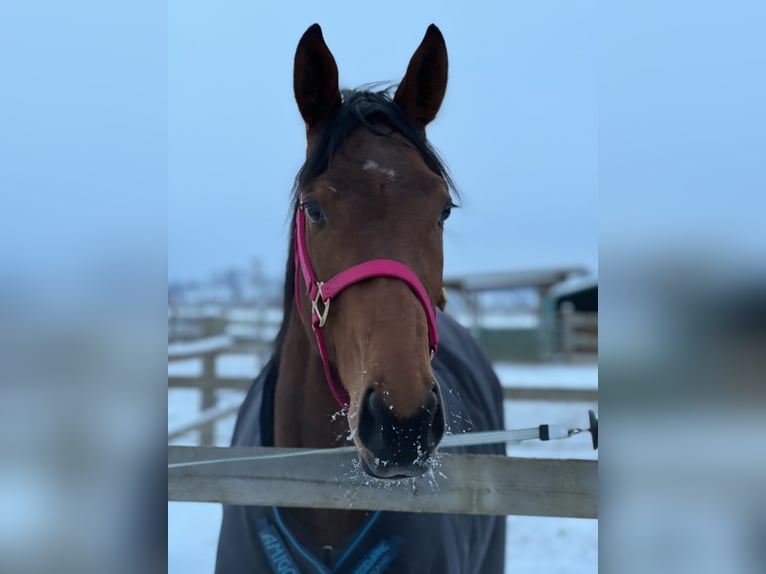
x,y
321,293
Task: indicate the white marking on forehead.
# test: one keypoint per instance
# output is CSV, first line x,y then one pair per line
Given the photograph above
x,y
369,164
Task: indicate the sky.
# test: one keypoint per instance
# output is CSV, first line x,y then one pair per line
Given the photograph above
x,y
518,127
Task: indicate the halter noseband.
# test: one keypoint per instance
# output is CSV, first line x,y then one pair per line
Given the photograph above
x,y
321,293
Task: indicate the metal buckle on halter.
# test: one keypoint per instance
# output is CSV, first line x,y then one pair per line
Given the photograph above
x,y
315,306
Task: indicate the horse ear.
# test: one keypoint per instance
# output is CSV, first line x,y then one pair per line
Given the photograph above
x,y
421,92
315,78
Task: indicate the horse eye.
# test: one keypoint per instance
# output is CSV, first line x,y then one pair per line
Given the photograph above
x,y
313,211
446,211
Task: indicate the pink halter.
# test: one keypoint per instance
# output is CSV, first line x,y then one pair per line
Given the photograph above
x,y
321,293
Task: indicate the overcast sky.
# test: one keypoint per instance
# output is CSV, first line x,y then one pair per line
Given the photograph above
x,y
518,128
654,108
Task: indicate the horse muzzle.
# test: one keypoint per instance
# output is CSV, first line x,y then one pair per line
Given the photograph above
x,y
396,447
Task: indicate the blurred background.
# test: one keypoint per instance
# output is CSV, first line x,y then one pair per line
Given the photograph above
x,y
146,156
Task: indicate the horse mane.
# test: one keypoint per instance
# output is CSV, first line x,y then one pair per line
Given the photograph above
x,y
371,110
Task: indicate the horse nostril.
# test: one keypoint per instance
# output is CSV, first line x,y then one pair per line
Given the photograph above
x,y
431,402
400,440
369,424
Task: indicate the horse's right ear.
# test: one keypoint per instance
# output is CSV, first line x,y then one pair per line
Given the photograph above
x,y
315,78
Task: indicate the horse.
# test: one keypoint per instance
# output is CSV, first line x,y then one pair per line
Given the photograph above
x,y
364,334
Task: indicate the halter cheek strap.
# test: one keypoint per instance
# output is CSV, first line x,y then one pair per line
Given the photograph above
x,y
321,294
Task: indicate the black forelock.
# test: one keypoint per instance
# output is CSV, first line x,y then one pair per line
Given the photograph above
x,y
372,110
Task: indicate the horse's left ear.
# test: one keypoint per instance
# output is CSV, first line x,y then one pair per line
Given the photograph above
x,y
421,92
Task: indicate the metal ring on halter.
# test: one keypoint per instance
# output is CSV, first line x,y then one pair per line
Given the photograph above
x,y
322,315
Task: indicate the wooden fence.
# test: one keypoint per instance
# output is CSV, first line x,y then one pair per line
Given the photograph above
x,y
208,382
207,350
462,483
579,334
470,484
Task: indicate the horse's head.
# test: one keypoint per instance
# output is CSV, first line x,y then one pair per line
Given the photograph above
x,y
373,189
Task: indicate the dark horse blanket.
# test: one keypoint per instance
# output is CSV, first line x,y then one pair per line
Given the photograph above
x,y
255,539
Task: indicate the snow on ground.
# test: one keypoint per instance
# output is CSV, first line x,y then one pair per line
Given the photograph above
x,y
226,365
199,346
183,404
192,537
576,376
535,545
514,320
543,545
267,333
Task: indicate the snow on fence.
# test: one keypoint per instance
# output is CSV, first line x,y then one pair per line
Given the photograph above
x,y
460,483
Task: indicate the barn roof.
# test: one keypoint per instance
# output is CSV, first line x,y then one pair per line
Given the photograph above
x,y
534,278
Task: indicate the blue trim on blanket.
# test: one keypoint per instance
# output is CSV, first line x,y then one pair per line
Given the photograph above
x,y
277,553
313,560
357,539
298,546
377,559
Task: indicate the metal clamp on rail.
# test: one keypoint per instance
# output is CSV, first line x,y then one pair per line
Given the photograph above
x,y
551,432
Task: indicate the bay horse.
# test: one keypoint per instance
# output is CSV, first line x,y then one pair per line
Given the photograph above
x,y
364,355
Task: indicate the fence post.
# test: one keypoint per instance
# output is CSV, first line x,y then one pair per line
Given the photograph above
x,y
568,335
208,398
